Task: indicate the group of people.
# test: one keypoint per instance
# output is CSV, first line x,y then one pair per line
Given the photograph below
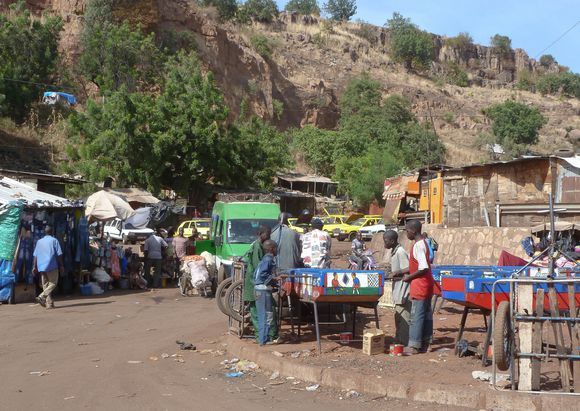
x,y
413,287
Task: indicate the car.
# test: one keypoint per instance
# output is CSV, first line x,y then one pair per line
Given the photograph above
x,y
369,232
202,226
348,231
119,230
331,222
292,225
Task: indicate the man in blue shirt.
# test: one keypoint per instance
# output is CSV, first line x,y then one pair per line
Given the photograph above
x,y
48,262
263,282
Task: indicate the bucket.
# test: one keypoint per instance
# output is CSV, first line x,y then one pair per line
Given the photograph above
x,y
397,349
163,282
345,338
86,290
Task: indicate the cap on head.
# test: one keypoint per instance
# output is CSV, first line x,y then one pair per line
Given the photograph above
x,y
317,224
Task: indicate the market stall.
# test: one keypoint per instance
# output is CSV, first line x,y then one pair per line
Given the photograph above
x,y
25,212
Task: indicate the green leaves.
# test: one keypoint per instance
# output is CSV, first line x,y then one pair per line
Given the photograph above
x,y
304,7
377,138
28,55
515,124
409,44
340,10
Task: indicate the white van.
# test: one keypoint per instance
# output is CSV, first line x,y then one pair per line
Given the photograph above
x,y
119,230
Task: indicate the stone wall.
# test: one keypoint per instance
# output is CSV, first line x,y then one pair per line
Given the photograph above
x,y
466,245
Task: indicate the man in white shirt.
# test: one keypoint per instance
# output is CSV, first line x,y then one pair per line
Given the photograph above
x,y
154,250
316,246
399,267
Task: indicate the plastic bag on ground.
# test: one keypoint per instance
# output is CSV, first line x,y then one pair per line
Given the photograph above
x,y
96,289
198,272
100,275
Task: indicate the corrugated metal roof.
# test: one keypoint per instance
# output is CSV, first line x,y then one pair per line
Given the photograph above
x,y
12,190
294,177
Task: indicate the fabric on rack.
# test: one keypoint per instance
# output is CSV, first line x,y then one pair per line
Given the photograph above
x,y
9,226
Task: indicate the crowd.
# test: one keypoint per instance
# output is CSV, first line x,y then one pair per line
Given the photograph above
x,y
283,249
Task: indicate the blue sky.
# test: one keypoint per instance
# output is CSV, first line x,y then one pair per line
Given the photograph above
x,y
531,24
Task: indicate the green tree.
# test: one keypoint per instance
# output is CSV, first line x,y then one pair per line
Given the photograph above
x,y
304,7
318,147
118,55
263,11
28,58
362,177
546,60
340,10
227,9
408,44
462,41
515,123
568,84
361,95
502,44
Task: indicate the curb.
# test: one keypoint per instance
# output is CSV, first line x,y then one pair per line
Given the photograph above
x,y
434,393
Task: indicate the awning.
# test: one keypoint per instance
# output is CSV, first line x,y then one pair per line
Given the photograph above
x,y
134,195
391,213
12,190
558,227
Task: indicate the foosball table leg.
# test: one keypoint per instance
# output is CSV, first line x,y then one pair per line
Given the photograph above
x,y
377,315
317,327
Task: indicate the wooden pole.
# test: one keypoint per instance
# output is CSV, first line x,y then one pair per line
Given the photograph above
x,y
526,332
559,338
537,340
574,339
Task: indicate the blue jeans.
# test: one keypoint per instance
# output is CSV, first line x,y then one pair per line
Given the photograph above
x,y
421,326
265,314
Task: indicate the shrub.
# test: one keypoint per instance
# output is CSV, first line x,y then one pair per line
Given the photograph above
x,y
409,45
515,123
303,7
262,45
547,60
227,9
502,44
566,83
462,41
340,10
366,31
526,81
453,74
448,117
263,11
277,108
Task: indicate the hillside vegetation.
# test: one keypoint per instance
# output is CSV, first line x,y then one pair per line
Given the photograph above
x,y
177,94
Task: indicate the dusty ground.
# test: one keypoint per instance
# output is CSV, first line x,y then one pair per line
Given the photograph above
x,y
107,353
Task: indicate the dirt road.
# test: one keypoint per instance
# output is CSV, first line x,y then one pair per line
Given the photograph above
x,y
107,353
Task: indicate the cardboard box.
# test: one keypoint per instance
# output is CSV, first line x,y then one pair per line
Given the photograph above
x,y
24,293
373,341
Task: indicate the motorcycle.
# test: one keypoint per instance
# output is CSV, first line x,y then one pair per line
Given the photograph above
x,y
369,262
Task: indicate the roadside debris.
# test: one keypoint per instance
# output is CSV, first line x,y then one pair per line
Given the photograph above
x,y
164,355
246,366
274,375
40,373
234,374
185,345
487,376
134,362
312,388
278,354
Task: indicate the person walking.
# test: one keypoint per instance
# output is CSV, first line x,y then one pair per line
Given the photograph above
x,y
316,246
48,262
154,248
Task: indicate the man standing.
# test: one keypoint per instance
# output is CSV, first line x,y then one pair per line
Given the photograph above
x,y
180,244
288,242
421,291
399,267
49,263
154,249
316,246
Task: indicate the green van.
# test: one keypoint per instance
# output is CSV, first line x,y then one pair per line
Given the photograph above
x,y
233,230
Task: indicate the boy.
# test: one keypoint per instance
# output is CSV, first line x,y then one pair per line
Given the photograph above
x,y
399,267
263,282
252,259
421,291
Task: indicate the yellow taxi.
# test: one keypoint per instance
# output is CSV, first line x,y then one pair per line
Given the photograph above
x,y
353,224
292,224
202,226
334,222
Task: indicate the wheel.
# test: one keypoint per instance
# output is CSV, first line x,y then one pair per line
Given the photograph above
x,y
503,336
351,236
235,300
220,295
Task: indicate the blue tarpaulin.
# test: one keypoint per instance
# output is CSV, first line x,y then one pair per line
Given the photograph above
x,y
51,97
9,224
7,279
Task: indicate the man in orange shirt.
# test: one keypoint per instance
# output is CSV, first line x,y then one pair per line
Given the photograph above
x,y
421,290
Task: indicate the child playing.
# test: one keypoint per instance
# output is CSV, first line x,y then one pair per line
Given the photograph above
x,y
263,282
421,291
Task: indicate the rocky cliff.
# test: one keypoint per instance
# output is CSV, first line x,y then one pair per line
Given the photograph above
x,y
312,63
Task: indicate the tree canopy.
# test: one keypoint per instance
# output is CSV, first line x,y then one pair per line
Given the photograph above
x,y
28,59
263,11
408,44
515,125
340,10
304,7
